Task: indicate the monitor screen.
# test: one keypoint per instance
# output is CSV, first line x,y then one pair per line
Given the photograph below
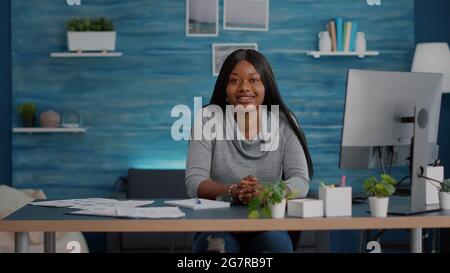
x,y
376,102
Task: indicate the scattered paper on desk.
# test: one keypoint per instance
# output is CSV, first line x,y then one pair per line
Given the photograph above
x,y
150,213
198,203
89,202
141,213
99,211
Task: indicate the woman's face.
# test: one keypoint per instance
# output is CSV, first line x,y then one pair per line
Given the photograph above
x,y
245,86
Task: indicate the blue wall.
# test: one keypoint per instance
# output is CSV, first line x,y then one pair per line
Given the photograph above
x,y
126,101
5,94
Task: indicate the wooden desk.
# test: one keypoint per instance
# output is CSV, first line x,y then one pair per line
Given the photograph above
x,y
49,220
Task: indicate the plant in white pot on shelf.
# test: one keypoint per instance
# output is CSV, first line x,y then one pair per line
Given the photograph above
x,y
91,35
379,190
27,112
271,202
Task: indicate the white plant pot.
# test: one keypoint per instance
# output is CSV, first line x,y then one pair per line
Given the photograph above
x,y
278,210
379,206
91,40
444,200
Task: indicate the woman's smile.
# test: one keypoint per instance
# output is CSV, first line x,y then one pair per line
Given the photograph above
x,y
246,98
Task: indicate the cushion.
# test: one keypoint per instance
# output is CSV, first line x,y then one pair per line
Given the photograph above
x,y
11,200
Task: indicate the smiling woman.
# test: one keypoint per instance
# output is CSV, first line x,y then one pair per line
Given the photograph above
x,y
233,169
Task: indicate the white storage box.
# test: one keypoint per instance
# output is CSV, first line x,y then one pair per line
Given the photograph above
x,y
336,201
305,208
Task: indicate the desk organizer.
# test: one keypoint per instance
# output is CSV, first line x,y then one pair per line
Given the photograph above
x,y
305,208
337,201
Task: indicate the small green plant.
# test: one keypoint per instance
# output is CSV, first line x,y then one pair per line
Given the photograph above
x,y
96,24
383,188
271,194
27,112
445,186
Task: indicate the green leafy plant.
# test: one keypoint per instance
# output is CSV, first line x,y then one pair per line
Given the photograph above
x,y
271,194
445,186
380,188
27,112
96,24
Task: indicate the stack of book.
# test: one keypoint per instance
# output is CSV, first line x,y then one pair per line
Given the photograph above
x,y
343,34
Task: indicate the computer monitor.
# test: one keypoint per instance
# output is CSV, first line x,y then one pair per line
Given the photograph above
x,y
392,118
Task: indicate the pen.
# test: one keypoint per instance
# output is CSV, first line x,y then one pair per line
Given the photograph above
x,y
343,181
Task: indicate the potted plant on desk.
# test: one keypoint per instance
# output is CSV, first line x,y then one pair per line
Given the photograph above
x,y
444,194
444,191
380,192
271,202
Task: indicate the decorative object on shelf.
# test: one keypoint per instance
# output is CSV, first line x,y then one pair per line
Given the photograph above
x,y
91,35
72,119
343,35
50,119
380,192
325,44
27,112
360,44
202,18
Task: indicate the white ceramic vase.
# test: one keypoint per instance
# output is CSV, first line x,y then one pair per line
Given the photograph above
x,y
379,206
278,210
360,43
444,200
325,44
50,119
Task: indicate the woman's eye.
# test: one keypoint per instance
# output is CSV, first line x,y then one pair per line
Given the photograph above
x,y
234,81
253,80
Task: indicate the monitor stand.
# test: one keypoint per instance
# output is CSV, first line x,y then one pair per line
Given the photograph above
x,y
417,204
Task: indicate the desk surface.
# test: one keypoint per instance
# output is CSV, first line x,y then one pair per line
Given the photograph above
x,y
36,218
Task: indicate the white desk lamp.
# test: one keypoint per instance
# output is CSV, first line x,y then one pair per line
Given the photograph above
x,y
433,58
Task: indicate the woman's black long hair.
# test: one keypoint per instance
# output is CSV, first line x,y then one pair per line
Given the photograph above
x,y
272,94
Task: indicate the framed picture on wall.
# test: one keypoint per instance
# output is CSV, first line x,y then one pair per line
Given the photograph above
x,y
202,18
251,15
221,51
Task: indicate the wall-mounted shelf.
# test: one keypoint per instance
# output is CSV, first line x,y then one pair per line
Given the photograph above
x,y
49,130
84,54
318,54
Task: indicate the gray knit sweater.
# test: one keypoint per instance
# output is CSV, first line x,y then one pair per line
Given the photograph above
x,y
228,161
